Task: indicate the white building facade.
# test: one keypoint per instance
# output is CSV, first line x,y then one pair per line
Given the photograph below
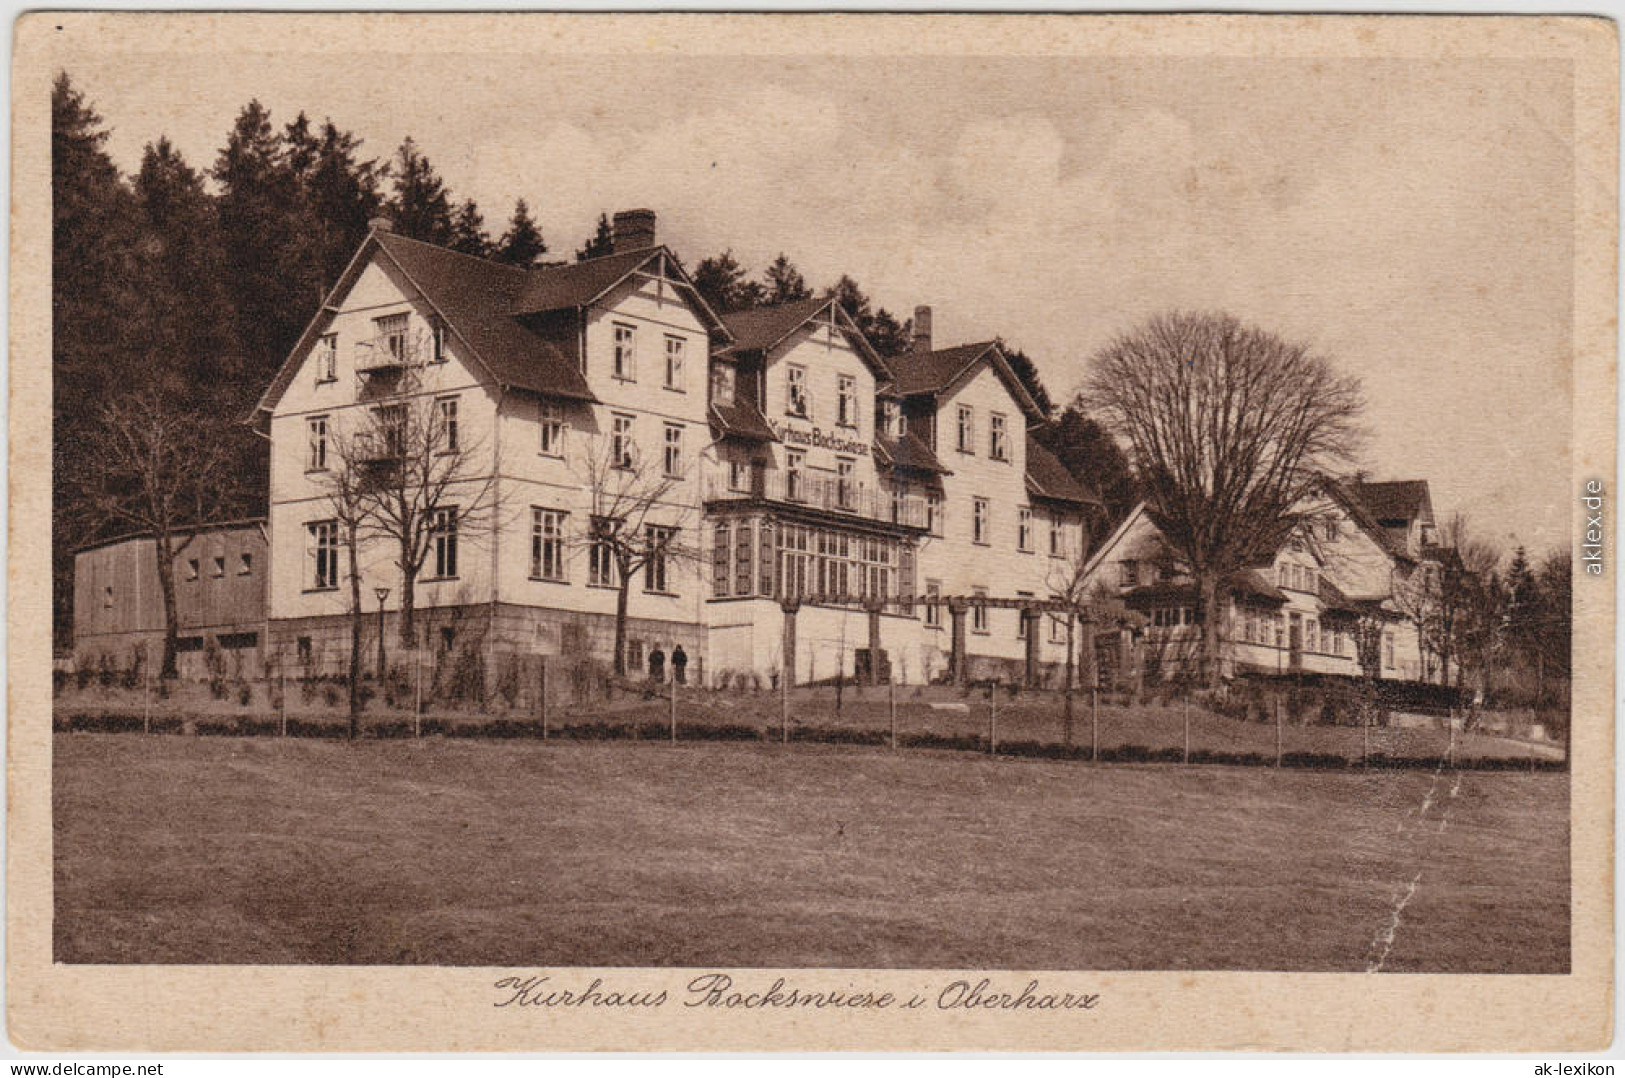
x,y
818,508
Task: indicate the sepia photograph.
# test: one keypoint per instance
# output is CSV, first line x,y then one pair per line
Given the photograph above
x,y
933,505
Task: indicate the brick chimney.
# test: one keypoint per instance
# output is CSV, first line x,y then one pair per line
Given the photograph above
x,y
634,230
922,330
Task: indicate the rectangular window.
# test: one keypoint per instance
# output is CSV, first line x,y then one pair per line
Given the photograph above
x,y
1024,529
327,354
246,567
1128,574
846,494
721,560
659,540
390,333
1311,634
551,438
674,450
978,610
1057,540
546,543
107,597
1021,617
793,479
933,514
219,568
738,476
967,429
846,401
324,551
601,557
978,521
390,426
626,360
316,427
443,542
933,603
446,423
674,362
1057,626
622,449
722,383
1388,650
891,417
438,340
998,446
797,402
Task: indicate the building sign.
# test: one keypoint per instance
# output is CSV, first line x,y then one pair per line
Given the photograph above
x,y
815,438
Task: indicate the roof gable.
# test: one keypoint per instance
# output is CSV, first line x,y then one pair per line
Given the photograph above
x,y
762,329
943,371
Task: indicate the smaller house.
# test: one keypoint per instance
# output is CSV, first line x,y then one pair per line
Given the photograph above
x,y
118,605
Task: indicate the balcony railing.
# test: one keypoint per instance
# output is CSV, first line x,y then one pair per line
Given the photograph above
x,y
830,493
380,355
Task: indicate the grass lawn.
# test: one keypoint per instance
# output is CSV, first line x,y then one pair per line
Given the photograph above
x,y
446,851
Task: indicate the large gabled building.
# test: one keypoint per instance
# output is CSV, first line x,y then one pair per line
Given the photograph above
x,y
1299,610
871,498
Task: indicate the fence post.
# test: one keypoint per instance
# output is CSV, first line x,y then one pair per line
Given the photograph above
x,y
1450,743
1365,725
993,719
1277,729
673,694
417,685
282,695
1094,724
146,693
1187,728
784,707
543,693
891,706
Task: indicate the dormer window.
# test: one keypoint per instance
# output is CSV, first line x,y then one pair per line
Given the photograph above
x,y
722,383
891,418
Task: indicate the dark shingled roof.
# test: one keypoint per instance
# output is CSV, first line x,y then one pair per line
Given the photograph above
x,y
909,452
553,288
1247,584
743,419
760,328
1404,499
478,300
932,372
1048,478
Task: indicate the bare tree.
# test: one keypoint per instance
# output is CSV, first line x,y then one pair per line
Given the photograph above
x,y
345,484
1230,428
153,467
1086,603
425,483
638,523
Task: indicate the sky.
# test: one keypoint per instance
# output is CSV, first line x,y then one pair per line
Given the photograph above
x,y
1410,219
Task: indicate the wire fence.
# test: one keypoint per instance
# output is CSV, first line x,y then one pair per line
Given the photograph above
x,y
548,700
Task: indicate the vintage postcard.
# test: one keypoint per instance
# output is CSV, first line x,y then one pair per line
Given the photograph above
x,y
812,532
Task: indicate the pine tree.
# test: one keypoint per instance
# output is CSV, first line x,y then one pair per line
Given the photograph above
x,y
468,231
341,194
522,245
1094,458
1027,374
191,315
783,283
420,204
96,308
723,283
268,235
602,242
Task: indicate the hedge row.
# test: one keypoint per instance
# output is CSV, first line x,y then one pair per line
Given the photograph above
x,y
253,726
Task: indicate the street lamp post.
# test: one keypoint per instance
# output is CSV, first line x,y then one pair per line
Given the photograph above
x,y
383,594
